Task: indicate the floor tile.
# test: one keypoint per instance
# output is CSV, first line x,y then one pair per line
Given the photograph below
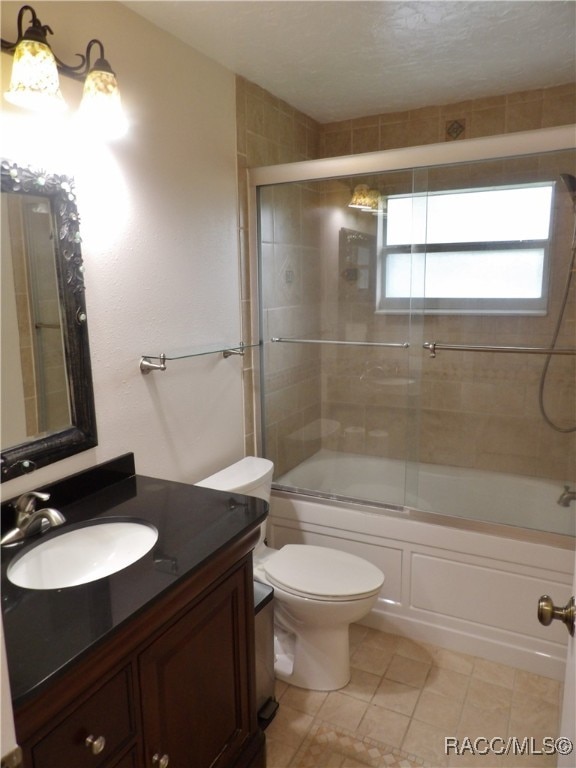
x,y
303,700
408,671
374,660
371,659
326,747
396,696
453,660
532,718
536,685
438,710
447,683
384,725
488,695
289,726
491,672
381,640
362,684
403,700
476,722
427,742
278,755
340,709
414,650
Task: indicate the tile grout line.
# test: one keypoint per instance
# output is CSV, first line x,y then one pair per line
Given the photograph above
x,y
321,733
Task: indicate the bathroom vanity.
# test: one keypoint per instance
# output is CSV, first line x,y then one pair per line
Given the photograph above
x,y
153,665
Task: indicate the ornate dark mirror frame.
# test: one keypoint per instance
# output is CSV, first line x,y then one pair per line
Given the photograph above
x,y
81,435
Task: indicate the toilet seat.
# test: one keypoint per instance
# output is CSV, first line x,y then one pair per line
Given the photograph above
x,y
320,573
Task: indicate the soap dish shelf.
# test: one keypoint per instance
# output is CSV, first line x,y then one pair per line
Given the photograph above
x,y
147,364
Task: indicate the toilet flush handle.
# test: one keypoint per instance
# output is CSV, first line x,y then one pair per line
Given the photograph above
x,y
547,612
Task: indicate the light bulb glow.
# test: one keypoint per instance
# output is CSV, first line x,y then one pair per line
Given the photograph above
x,y
101,106
34,83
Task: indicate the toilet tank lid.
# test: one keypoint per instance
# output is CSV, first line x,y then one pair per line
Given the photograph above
x,y
323,572
242,474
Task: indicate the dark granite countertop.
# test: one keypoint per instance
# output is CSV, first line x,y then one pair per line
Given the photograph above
x,y
46,631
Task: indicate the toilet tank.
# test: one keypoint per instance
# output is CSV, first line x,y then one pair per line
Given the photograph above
x,y
251,476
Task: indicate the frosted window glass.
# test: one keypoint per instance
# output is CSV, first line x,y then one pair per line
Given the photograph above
x,y
509,274
470,216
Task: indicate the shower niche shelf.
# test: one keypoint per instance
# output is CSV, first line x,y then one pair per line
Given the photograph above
x,y
149,363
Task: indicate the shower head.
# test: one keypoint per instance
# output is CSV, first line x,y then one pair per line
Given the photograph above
x,y
570,182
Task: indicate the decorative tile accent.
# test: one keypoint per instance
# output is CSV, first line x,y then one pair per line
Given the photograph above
x,y
455,129
324,745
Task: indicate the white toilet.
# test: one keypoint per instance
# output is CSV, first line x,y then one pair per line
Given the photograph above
x,y
319,592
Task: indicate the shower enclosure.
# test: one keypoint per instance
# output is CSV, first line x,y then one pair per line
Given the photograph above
x,y
418,322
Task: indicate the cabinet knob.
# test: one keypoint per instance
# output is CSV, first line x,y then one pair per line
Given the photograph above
x,y
160,761
95,744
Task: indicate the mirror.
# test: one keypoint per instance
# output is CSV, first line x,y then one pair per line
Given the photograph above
x,y
47,408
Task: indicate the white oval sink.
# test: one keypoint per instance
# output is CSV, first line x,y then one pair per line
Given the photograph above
x,y
83,554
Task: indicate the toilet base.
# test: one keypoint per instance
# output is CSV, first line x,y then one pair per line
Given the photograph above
x,y
316,659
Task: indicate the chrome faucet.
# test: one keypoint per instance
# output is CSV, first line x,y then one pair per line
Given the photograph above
x,y
566,497
30,520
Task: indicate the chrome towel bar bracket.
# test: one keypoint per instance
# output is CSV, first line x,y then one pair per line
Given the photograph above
x,y
227,350
147,366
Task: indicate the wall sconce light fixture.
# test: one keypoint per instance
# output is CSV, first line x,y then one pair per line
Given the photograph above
x,y
364,198
35,83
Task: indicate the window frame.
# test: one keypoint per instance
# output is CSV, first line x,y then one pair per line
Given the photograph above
x,y
463,305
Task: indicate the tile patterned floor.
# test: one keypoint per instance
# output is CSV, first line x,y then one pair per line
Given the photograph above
x,y
403,699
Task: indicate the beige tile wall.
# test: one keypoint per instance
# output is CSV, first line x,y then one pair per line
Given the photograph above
x,y
463,409
481,410
269,131
473,410
522,111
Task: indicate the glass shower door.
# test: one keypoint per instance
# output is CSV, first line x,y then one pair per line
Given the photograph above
x,y
338,387
418,336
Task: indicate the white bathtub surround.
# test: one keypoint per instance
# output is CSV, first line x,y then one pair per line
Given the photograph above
x,y
472,589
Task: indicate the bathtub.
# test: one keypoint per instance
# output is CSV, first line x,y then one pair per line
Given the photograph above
x,y
492,497
470,585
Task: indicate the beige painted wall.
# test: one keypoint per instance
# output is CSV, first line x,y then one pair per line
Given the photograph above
x,y
159,232
159,226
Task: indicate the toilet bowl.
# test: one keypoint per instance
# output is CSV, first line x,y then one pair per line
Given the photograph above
x,y
319,592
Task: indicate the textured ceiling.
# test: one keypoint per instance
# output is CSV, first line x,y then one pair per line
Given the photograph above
x,y
349,58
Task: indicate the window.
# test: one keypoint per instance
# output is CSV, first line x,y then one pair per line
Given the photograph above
x,y
470,251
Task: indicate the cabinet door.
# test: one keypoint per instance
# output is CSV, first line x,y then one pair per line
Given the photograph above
x,y
195,682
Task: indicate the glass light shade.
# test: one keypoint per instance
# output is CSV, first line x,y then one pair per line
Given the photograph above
x,y
364,198
34,83
101,107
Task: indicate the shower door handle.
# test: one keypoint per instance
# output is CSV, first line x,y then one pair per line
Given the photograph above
x,y
547,612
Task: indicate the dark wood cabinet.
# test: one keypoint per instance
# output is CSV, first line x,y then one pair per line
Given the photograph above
x,y
175,687
128,761
194,683
97,729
